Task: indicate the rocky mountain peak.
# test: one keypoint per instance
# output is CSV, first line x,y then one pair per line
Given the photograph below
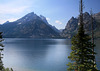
x,y
31,25
44,19
6,22
97,16
30,14
29,17
86,13
86,16
72,18
72,25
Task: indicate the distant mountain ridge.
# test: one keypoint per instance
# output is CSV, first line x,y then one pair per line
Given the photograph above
x,y
34,26
53,27
31,25
72,25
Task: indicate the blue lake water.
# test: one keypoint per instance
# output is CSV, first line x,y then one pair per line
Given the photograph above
x,y
27,54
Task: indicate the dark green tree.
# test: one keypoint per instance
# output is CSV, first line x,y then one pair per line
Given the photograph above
x,y
2,68
82,55
1,49
92,38
11,69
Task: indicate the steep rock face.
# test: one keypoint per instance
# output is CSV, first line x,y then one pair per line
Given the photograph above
x,y
44,19
30,25
72,25
97,30
53,27
27,18
97,17
87,22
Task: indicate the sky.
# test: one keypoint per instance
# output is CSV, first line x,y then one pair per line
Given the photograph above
x,y
57,12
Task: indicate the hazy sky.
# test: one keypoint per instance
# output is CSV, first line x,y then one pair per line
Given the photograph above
x,y
57,12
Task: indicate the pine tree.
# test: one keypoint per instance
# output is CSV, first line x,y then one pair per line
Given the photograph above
x,y
82,55
92,38
1,49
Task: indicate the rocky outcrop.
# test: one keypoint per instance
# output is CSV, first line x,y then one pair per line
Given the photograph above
x,y
29,26
72,25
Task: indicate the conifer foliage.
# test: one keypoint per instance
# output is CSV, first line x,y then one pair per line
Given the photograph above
x,y
1,49
2,68
82,55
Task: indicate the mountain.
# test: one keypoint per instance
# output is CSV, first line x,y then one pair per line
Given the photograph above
x,y
61,30
72,25
53,27
31,26
44,19
97,30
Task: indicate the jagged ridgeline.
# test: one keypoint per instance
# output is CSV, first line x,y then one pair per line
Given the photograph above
x,y
29,26
34,26
72,25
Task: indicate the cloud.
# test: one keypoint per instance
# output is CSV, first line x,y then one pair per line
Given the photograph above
x,y
9,9
15,6
10,20
2,21
48,19
12,9
58,22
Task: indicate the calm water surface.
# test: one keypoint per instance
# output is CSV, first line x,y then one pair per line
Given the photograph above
x,y
26,54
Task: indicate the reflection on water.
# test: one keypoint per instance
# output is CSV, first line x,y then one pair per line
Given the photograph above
x,y
24,54
97,49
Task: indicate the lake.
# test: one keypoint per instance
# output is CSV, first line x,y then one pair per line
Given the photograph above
x,y
27,54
